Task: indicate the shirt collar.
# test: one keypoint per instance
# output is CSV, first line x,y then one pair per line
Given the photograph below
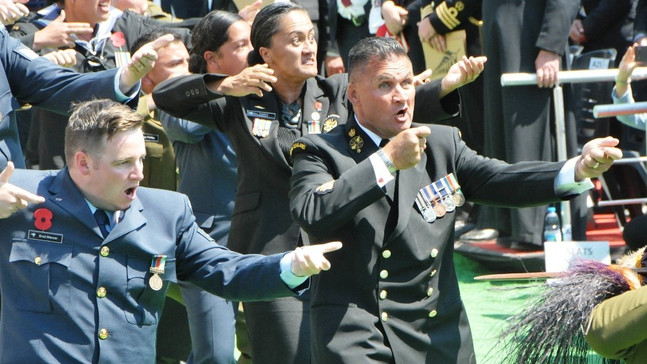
x,y
374,137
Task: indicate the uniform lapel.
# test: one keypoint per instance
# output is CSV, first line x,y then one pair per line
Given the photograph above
x,y
315,106
268,108
409,182
66,195
132,220
358,144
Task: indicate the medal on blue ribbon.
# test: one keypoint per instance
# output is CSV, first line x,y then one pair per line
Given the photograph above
x,y
425,207
459,198
443,192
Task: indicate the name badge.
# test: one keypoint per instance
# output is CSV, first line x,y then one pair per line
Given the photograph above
x,y
260,114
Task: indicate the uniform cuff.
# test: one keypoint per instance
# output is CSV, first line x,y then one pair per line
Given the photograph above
x,y
565,184
290,279
119,96
382,174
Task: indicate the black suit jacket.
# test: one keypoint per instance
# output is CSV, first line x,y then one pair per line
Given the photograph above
x,y
399,281
608,24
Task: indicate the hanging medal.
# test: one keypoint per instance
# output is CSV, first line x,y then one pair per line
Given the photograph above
x,y
314,125
425,208
158,264
433,198
443,192
459,198
439,208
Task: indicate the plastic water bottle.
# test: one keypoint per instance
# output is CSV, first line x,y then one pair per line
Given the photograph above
x,y
552,231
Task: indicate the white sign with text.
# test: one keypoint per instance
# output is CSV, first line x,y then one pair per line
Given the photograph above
x,y
560,254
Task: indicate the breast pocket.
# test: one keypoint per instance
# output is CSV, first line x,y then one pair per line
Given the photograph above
x,y
144,304
42,277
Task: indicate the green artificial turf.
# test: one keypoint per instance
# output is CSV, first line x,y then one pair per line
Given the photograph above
x,y
489,304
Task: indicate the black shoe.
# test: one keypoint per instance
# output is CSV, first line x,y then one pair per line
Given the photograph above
x,y
461,227
518,245
480,234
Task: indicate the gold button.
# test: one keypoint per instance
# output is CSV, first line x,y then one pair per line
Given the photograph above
x,y
105,251
384,274
101,292
386,254
383,294
430,291
384,316
434,253
103,334
433,273
433,313
37,260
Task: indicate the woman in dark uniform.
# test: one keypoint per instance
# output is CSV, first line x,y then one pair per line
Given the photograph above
x,y
263,110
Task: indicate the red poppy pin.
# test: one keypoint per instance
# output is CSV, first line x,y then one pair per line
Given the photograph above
x,y
43,219
118,39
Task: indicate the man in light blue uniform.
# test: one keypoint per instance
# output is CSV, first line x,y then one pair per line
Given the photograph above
x,y
84,289
27,78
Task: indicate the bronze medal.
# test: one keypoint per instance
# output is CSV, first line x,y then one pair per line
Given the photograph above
x,y
459,199
439,209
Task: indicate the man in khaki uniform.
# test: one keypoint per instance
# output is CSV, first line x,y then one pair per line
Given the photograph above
x,y
617,327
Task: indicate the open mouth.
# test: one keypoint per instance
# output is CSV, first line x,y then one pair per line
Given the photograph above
x,y
402,113
130,192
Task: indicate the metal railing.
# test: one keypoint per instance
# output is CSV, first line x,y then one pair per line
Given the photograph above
x,y
582,76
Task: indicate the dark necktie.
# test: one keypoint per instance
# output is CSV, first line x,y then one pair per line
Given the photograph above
x,y
392,190
102,221
383,142
290,115
286,135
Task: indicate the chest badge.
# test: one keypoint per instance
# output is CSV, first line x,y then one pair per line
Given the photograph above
x,y
261,127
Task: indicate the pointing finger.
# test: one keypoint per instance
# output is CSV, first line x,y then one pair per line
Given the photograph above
x,y
330,247
6,173
26,197
162,41
421,131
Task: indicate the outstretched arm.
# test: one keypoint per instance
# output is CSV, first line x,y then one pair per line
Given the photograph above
x,y
462,73
141,63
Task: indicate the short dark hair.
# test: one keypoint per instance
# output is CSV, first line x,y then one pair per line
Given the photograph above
x,y
371,49
151,36
209,35
95,122
266,24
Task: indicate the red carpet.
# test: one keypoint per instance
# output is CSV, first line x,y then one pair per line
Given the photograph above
x,y
603,228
